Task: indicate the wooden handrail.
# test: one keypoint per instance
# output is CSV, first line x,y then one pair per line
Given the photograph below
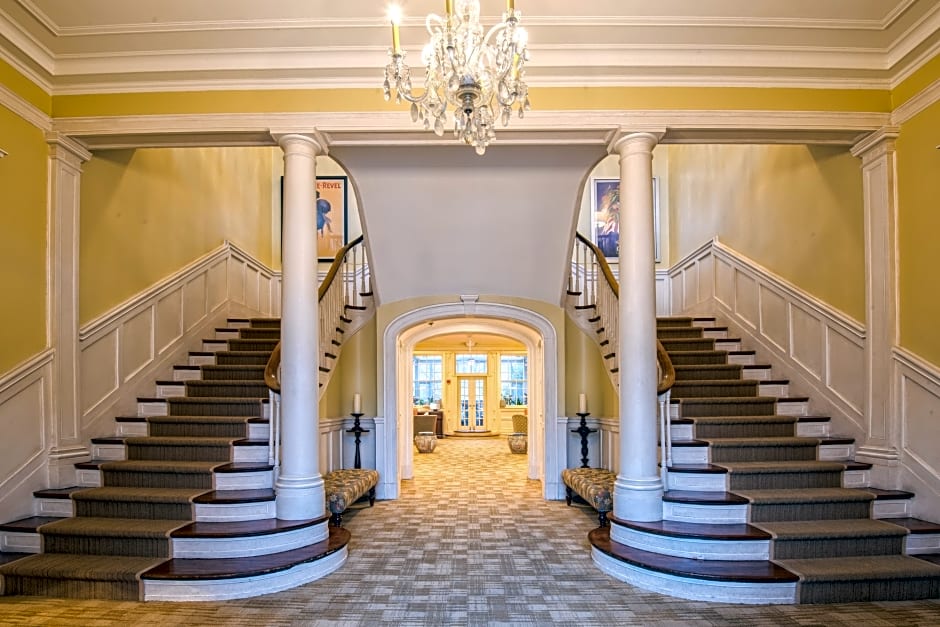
x,y
274,362
667,371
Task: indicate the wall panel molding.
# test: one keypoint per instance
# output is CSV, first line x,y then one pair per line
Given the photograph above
x,y
917,404
26,416
818,347
126,349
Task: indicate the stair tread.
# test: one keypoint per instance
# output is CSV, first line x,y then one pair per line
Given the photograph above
x,y
58,493
90,526
861,568
94,567
698,468
881,494
237,467
140,495
676,529
28,525
914,525
243,528
757,571
848,528
238,567
703,498
159,465
219,497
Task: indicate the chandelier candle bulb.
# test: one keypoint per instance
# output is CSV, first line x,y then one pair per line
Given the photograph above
x,y
448,7
510,5
357,403
582,403
394,16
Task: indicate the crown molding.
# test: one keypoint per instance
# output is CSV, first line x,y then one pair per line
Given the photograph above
x,y
26,110
537,128
907,42
925,98
26,43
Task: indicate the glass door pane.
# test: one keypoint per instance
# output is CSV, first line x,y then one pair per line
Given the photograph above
x,y
472,403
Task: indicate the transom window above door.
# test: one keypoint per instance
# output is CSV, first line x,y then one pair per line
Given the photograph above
x,y
471,363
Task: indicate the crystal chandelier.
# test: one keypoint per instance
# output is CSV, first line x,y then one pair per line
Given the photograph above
x,y
479,75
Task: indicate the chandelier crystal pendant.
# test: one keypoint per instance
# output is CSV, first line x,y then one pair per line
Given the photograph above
x,y
479,76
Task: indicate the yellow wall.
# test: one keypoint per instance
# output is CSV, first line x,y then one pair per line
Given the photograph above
x,y
586,375
918,227
147,213
543,98
22,240
795,210
24,88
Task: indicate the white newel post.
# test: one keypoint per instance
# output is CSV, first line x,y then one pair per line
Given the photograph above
x,y
638,490
299,485
66,157
879,183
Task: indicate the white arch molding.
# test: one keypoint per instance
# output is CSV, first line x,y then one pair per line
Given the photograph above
x,y
547,441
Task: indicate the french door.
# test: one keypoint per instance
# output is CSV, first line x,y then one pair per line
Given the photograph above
x,y
472,403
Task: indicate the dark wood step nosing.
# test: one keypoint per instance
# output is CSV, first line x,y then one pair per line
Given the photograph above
x,y
244,567
689,497
244,529
27,525
914,525
701,531
235,497
709,570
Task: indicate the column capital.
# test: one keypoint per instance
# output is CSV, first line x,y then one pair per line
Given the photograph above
x,y
314,140
63,147
876,144
622,139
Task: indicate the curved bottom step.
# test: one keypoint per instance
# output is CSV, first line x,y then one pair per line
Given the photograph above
x,y
242,577
745,582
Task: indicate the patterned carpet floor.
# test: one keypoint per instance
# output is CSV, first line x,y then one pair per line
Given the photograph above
x,y
471,542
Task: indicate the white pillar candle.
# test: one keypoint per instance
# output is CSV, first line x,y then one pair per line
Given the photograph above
x,y
357,403
582,403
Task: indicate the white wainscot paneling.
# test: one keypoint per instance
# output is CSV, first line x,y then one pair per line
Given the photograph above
x,y
724,283
663,307
807,340
774,321
236,283
21,414
846,368
746,299
136,343
705,283
194,301
218,284
99,370
252,288
918,403
25,414
169,324
690,279
265,295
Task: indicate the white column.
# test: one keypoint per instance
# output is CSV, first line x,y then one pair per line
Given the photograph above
x,y
638,490
68,445
879,176
299,485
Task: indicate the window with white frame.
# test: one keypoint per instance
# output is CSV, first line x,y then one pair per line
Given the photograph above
x,y
514,379
428,378
470,363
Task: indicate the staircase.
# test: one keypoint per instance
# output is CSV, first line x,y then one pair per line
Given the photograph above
x,y
762,504
179,504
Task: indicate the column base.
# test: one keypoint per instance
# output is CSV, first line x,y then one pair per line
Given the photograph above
x,y
639,500
299,498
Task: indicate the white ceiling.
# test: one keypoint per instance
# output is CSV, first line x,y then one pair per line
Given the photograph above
x,y
71,46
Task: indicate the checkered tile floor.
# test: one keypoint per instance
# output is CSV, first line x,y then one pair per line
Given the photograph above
x,y
471,542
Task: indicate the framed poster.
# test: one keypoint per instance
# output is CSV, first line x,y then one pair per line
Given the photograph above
x,y
605,216
331,203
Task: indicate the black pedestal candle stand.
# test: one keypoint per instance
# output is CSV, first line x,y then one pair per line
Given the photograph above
x,y
358,431
583,430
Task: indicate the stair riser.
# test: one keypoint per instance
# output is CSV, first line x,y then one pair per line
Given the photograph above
x,y
693,548
809,511
53,507
891,508
201,360
186,374
743,360
260,480
705,514
758,374
234,512
718,482
161,408
15,542
922,544
157,480
860,592
254,453
838,547
217,548
71,589
129,547
783,480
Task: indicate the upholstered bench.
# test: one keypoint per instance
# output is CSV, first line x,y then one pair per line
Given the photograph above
x,y
345,487
594,485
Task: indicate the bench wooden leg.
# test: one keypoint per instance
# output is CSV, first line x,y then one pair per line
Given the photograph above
x,y
602,519
371,496
568,496
336,520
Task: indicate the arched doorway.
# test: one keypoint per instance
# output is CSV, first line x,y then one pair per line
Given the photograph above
x,y
546,452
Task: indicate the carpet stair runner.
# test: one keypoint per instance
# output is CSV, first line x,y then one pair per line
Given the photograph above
x,y
124,534
735,451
